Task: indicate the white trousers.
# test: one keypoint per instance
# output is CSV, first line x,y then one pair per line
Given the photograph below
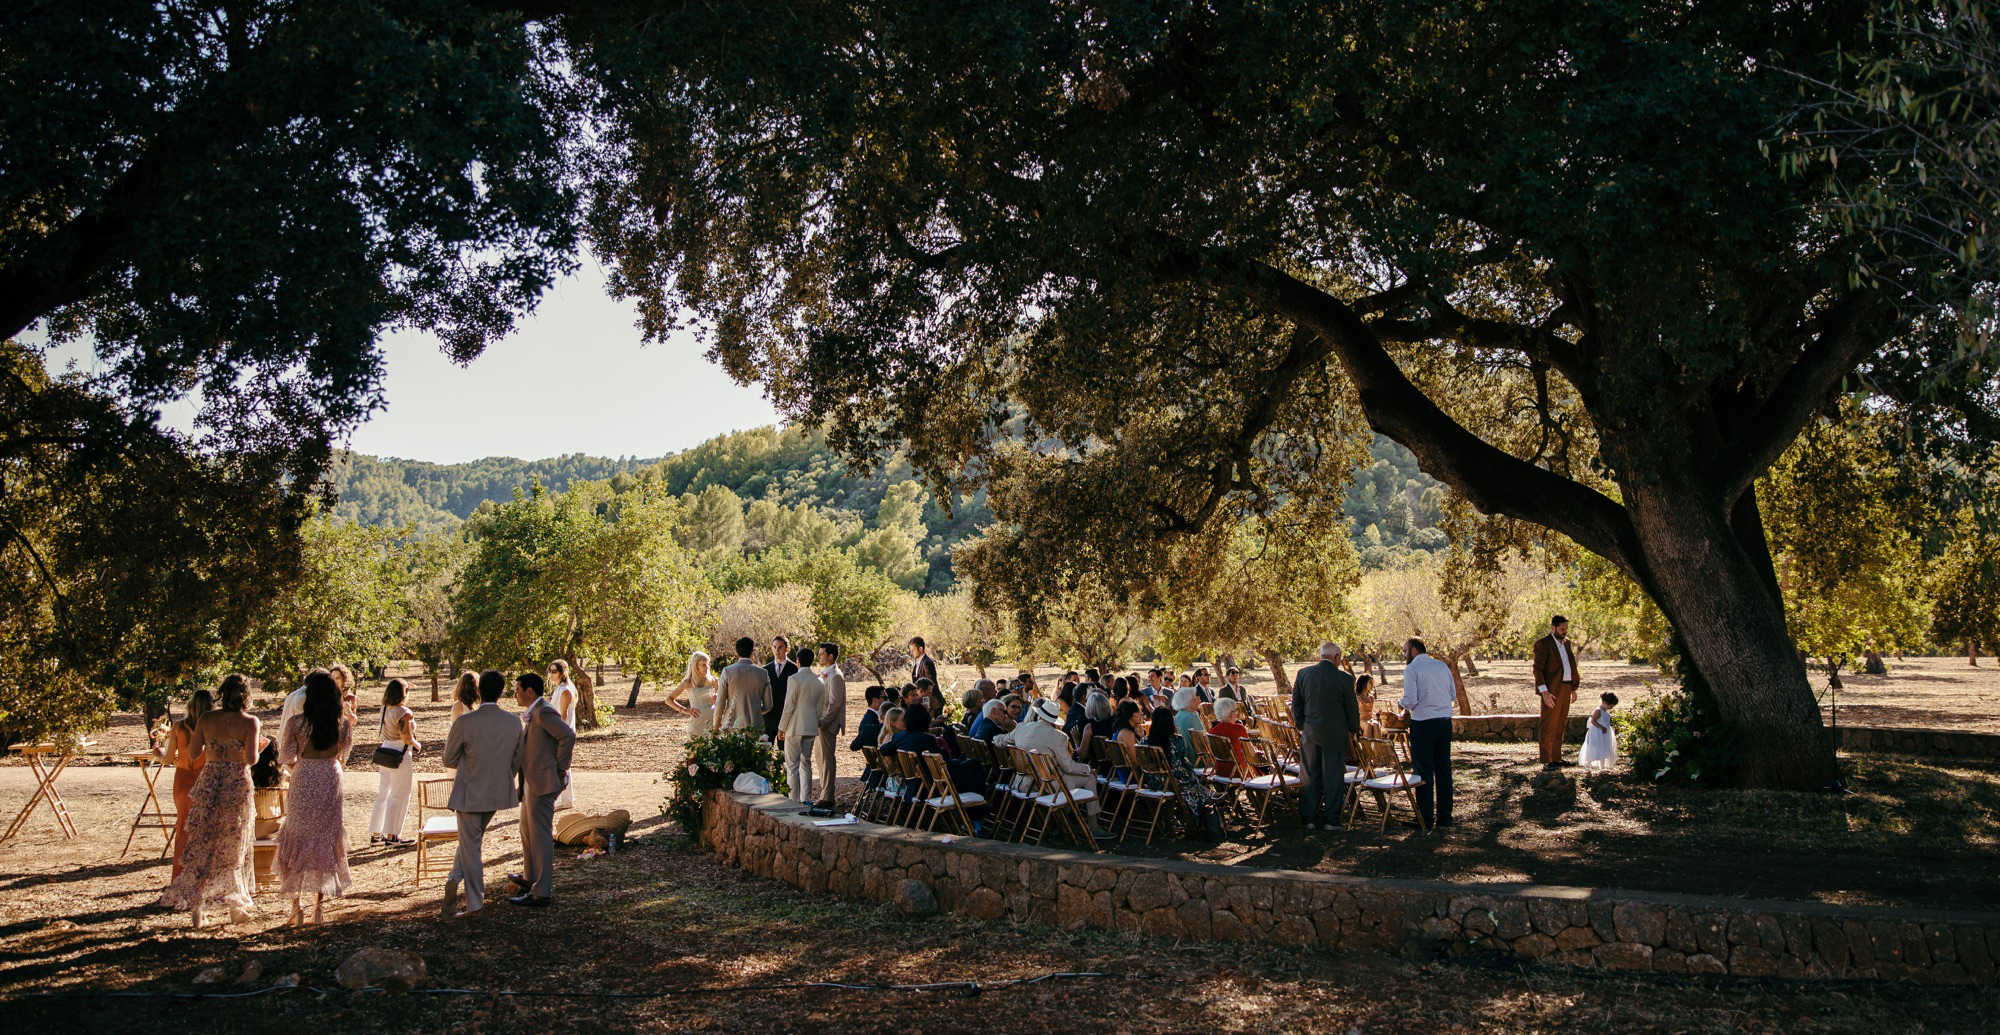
x,y
392,798
799,766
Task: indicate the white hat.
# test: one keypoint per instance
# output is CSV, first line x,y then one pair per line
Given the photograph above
x,y
1045,710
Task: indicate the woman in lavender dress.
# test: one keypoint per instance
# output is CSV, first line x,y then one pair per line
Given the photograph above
x,y
312,845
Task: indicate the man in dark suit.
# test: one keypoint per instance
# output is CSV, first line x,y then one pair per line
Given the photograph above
x,y
780,669
1323,702
921,665
1556,678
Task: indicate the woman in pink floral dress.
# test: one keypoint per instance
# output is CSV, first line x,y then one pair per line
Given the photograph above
x,y
215,855
312,845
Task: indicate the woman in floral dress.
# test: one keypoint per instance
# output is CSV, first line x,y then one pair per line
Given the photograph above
x,y
215,855
312,845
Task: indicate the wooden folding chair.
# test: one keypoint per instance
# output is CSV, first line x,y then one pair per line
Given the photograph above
x,y
1215,748
1157,790
269,806
1387,761
910,782
946,799
1114,791
1272,782
1058,801
874,785
434,796
1010,820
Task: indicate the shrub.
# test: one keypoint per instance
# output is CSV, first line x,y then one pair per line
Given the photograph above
x,y
1678,736
715,760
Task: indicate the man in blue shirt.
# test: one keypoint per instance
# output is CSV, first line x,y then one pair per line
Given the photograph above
x,y
1428,694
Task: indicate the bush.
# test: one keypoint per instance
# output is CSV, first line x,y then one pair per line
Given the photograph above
x,y
715,760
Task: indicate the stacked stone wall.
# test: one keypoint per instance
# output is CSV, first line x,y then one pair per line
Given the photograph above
x,y
1614,930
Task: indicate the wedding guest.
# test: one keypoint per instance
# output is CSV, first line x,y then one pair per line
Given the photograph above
x,y
1186,714
971,705
1131,723
985,728
484,750
1069,710
1202,690
697,688
921,665
1428,694
563,697
466,696
312,844
183,752
745,693
892,725
1232,684
392,784
832,721
1038,732
1324,705
780,671
1600,742
1364,695
215,861
924,692
1028,689
799,725
1556,679
869,732
1229,729
546,746
1099,721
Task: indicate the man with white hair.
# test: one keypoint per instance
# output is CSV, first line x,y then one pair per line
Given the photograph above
x,y
1041,730
1323,703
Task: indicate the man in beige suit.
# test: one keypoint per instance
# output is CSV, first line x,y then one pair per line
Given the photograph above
x,y
484,747
798,725
744,691
832,720
546,745
1556,678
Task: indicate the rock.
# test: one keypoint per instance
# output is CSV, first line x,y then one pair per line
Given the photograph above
x,y
1703,963
914,898
1640,924
1534,946
288,981
212,976
393,969
1624,956
1577,938
252,971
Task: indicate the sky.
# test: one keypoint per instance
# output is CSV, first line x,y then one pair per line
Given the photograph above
x,y
572,378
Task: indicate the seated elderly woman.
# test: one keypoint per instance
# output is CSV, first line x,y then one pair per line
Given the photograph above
x,y
1187,716
1228,728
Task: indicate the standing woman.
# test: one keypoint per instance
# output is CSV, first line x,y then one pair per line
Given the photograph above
x,y
562,693
183,752
466,697
312,845
215,863
392,785
697,686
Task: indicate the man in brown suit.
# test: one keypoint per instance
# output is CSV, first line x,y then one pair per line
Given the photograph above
x,y
546,746
1556,677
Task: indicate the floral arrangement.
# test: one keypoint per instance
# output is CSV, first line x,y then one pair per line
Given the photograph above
x,y
714,760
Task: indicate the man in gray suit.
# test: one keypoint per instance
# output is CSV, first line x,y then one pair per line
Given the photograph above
x,y
484,746
546,745
832,720
745,691
1324,706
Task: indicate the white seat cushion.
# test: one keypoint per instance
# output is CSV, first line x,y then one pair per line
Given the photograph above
x,y
1056,799
1354,776
1266,783
1394,782
1149,793
1227,781
943,801
1122,785
440,826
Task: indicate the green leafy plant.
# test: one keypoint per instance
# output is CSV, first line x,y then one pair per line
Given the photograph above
x,y
1672,737
715,760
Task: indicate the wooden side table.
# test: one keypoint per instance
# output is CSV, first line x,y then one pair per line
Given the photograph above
x,y
152,815
45,778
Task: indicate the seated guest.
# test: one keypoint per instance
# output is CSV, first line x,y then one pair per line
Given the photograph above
x,y
1130,720
892,724
1187,715
985,728
1364,696
1161,731
1097,722
870,733
974,706
1228,728
966,774
1038,732
988,689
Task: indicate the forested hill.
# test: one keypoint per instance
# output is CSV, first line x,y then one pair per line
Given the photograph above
x,y
1393,505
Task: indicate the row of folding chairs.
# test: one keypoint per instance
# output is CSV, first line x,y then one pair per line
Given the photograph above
x,y
916,791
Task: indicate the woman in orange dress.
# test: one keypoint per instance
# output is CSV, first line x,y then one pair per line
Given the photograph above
x,y
185,754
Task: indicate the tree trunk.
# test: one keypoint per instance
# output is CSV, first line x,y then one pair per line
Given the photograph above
x,y
1276,662
1458,681
600,671
586,699
1833,674
434,684
633,701
1972,653
1471,669
1873,665
1709,586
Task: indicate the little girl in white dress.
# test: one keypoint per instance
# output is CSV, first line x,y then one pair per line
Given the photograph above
x,y
1600,742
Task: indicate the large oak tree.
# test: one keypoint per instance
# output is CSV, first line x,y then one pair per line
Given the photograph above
x,y
1153,228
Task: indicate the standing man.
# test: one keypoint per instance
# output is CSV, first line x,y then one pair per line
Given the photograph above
x,y
1428,694
546,745
743,691
781,669
1555,684
484,746
832,720
799,725
921,665
1323,702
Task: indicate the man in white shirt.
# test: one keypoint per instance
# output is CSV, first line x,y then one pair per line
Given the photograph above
x,y
1428,694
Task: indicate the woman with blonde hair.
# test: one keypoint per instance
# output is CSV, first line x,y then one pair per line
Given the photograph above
x,y
183,751
698,686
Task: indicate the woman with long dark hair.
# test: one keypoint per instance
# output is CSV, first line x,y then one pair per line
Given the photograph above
x,y
215,859
312,845
392,783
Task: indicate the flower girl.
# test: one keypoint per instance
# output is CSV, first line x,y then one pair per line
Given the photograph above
x,y
1600,744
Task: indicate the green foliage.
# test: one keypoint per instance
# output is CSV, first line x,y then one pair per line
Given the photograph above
x,y
713,762
1279,583
347,605
434,497
1967,583
1671,738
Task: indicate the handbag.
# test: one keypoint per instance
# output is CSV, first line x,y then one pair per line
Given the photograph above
x,y
387,757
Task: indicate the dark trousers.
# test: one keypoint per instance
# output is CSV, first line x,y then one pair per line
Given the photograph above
x,y
1430,755
1324,760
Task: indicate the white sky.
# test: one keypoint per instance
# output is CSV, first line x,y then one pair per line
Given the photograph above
x,y
573,378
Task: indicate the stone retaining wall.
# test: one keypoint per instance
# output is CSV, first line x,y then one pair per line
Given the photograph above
x,y
1525,729
1946,743
1177,899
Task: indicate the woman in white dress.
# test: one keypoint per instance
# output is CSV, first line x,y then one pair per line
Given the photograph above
x,y
563,695
698,687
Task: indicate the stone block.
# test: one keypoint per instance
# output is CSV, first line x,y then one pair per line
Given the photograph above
x,y
1572,938
1860,944
1224,926
1742,929
1680,931
1624,956
1711,934
1478,922
1829,940
1193,917
1938,940
1752,961
1293,930
1916,951
1971,953
1798,935
1534,946
1548,915
1639,923
1601,921
1510,920
1670,961
1947,974
1147,893
1770,936
1704,963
